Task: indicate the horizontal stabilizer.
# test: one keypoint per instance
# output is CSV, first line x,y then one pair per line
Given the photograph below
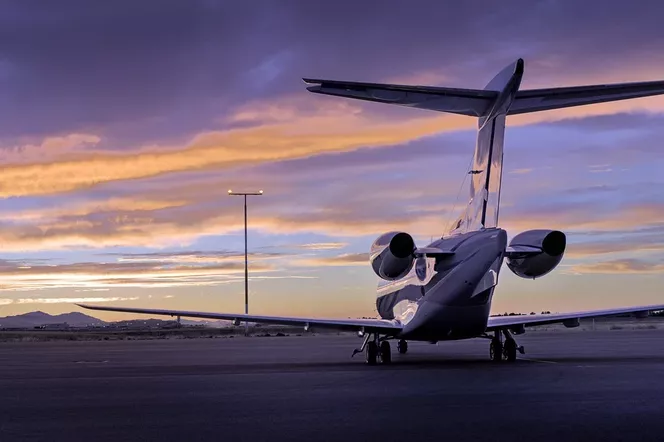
x,y
471,102
535,100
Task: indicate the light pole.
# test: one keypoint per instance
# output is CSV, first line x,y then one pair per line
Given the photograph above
x,y
246,267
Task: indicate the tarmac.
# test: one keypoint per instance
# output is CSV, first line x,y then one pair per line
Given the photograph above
x,y
595,385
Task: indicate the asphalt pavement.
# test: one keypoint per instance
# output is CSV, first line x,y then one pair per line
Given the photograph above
x,y
601,385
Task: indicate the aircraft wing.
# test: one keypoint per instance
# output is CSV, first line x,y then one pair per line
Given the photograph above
x,y
496,322
471,102
535,100
367,325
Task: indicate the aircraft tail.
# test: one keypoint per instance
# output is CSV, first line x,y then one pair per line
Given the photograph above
x,y
487,170
501,97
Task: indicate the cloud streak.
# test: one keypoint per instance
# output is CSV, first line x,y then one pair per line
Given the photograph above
x,y
122,275
322,246
628,243
619,266
347,259
194,257
8,301
286,129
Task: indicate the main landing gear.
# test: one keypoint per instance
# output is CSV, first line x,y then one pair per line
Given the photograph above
x,y
375,349
504,351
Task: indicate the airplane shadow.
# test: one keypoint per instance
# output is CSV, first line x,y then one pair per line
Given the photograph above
x,y
636,359
359,364
416,363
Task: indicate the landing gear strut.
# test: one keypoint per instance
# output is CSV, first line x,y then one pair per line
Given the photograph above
x,y
511,347
499,351
402,346
496,347
375,350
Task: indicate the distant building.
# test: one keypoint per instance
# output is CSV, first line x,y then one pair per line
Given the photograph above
x,y
60,326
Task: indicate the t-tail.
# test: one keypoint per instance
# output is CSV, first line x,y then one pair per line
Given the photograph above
x,y
487,168
500,98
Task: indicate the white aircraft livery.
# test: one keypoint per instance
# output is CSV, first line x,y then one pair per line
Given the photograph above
x,y
444,291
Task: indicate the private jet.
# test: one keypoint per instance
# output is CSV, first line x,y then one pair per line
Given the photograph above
x,y
444,291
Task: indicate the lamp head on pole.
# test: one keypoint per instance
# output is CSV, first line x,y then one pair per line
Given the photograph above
x,y
230,192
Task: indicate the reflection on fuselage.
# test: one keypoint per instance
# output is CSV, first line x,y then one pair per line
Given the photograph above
x,y
454,300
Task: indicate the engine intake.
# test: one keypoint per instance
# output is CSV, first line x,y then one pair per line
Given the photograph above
x,y
392,255
552,244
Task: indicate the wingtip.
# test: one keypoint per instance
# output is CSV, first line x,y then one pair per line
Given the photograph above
x,y
311,81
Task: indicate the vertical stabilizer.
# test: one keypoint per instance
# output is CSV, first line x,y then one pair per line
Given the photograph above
x,y
487,169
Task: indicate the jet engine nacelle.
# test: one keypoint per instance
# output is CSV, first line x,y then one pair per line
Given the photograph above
x,y
533,265
392,255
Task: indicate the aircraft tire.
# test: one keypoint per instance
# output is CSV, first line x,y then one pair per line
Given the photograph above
x,y
509,350
402,346
385,352
371,353
496,350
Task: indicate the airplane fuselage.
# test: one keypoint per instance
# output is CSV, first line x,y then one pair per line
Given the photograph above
x,y
447,297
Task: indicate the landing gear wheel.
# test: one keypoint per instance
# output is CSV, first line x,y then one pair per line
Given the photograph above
x,y
509,350
402,346
496,350
371,352
385,352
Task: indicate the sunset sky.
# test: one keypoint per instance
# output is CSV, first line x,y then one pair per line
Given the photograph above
x,y
123,124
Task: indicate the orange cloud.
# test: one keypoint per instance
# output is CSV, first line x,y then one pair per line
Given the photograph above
x,y
119,204
49,149
9,301
286,128
140,220
273,138
622,266
630,244
322,246
586,218
122,274
348,259
520,171
194,257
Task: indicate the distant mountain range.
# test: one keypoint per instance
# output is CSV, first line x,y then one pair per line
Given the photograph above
x,y
76,319
34,319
